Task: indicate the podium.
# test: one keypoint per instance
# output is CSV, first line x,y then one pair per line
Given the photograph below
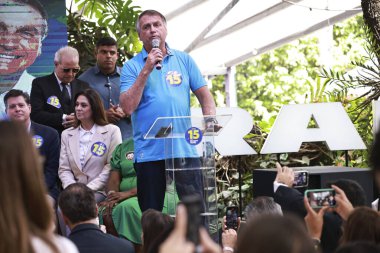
x,y
188,145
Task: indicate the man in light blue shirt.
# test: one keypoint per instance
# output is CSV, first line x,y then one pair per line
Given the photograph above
x,y
105,79
157,83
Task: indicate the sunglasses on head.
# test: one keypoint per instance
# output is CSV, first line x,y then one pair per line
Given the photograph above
x,y
67,70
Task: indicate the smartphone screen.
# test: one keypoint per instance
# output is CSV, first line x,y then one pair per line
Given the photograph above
x,y
232,214
321,197
193,206
301,178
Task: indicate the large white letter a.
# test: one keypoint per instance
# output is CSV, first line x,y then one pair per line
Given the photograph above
x,y
291,128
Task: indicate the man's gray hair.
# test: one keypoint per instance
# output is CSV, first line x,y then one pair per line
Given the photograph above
x,y
66,50
262,205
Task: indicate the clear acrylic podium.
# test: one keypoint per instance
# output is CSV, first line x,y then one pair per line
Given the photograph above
x,y
188,145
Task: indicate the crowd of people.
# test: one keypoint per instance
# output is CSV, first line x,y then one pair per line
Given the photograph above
x,y
72,164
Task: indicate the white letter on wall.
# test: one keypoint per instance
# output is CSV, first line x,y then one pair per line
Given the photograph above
x,y
230,140
291,128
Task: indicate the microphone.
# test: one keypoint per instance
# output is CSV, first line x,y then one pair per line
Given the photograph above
x,y
156,44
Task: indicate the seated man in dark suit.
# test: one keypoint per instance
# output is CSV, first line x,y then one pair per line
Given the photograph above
x,y
79,210
46,139
291,201
52,96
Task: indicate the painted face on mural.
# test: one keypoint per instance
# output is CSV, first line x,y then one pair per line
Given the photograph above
x,y
21,30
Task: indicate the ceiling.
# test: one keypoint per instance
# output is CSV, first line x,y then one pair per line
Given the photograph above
x,y
222,33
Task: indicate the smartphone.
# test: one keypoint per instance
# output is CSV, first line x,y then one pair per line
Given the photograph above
x,y
163,132
232,214
301,178
193,204
321,197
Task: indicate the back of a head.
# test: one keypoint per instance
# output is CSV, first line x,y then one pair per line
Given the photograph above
x,y
262,205
363,224
77,203
274,234
156,227
353,190
359,247
24,208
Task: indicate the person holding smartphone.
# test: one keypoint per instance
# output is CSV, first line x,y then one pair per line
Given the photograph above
x,y
292,201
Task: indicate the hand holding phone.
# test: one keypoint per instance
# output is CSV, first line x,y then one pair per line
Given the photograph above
x,y
232,216
193,205
319,198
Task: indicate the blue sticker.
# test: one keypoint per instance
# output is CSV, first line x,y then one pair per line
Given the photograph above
x,y
173,78
38,141
98,148
193,135
54,101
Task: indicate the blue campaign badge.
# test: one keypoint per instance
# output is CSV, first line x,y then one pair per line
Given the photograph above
x,y
173,78
38,141
98,148
193,135
54,101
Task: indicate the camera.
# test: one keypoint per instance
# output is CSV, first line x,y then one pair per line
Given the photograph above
x,y
321,197
232,214
301,178
193,204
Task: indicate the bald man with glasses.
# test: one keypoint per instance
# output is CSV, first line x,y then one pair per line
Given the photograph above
x,y
52,96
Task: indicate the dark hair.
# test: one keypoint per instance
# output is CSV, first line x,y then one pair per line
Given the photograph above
x,y
16,93
363,224
106,41
39,7
149,13
353,190
24,207
358,247
96,104
78,203
274,234
156,227
262,205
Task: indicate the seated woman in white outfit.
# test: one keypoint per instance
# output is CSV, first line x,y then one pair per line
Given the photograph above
x,y
27,222
86,149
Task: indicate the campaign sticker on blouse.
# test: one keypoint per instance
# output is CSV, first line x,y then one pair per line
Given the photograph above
x,y
193,135
38,141
53,101
129,155
98,148
173,78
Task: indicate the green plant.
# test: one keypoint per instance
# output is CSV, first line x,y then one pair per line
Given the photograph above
x,y
96,19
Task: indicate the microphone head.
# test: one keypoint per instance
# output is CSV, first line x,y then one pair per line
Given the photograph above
x,y
156,43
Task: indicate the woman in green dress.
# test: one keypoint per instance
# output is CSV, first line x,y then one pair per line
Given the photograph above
x,y
122,195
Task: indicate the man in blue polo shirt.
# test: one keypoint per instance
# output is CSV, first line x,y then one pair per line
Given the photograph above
x,y
105,79
157,83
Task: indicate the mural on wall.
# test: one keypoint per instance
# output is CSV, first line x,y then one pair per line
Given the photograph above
x,y
31,31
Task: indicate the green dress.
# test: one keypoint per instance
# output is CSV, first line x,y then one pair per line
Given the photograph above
x,y
126,215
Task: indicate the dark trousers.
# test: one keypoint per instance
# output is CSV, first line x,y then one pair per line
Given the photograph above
x,y
151,181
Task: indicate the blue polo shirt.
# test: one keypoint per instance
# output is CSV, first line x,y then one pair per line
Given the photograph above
x,y
166,94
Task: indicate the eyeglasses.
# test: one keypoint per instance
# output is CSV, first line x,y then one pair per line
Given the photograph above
x,y
73,70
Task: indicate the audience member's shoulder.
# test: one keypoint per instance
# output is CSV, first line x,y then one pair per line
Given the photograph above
x,y
86,74
67,131
112,128
64,245
42,79
82,83
44,129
